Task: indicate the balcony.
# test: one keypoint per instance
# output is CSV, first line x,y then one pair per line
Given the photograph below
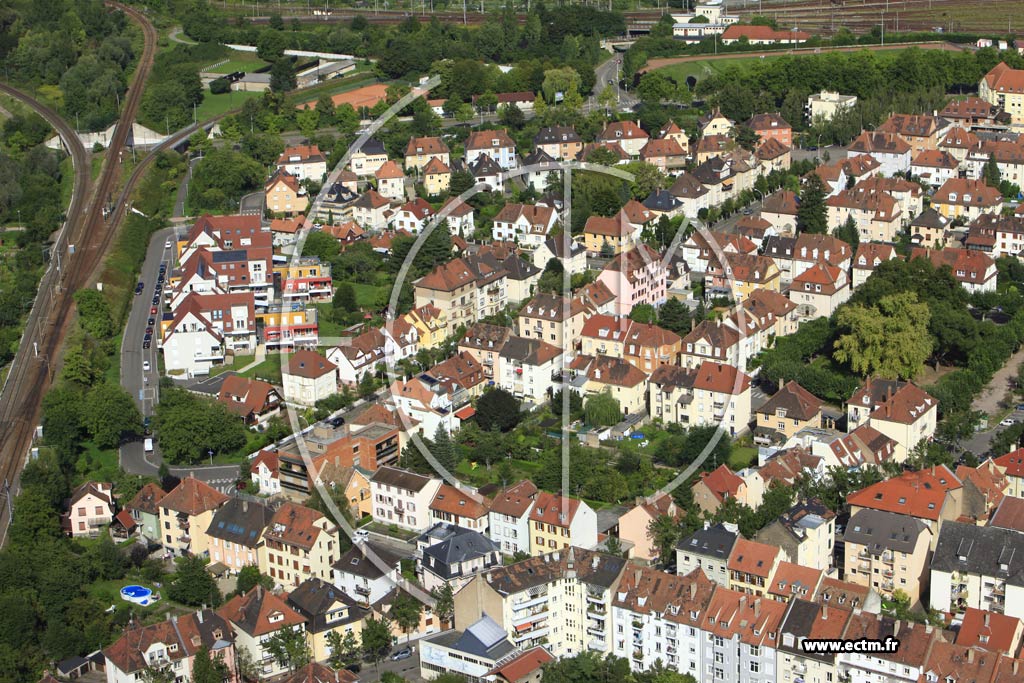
x,y
799,668
597,644
530,616
638,655
637,624
184,539
864,555
597,609
887,573
530,634
363,590
888,557
595,630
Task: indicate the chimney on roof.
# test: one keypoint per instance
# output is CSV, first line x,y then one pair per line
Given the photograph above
x,y
199,614
896,628
636,575
986,618
780,384
757,607
970,655
824,612
245,506
693,589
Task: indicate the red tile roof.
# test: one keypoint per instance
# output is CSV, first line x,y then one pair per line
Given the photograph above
x,y
1003,79
720,378
988,630
722,482
522,665
795,581
514,500
308,364
459,503
193,497
919,494
764,34
954,190
555,509
1012,463
751,557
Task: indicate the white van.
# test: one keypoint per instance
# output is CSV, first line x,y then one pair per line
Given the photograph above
x,y
147,445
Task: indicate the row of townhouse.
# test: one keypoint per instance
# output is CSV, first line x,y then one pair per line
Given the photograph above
x,y
516,518
576,600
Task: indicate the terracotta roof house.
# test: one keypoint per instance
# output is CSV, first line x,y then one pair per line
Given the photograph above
x,y
930,494
762,35
522,668
900,410
752,565
508,517
466,509
791,409
307,377
257,616
968,199
713,488
315,672
990,631
255,401
627,134
794,581
145,510
90,507
891,151
974,270
175,640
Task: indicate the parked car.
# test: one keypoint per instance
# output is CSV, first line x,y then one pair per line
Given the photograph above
x,y
152,310
151,321
1008,422
404,653
145,366
139,287
167,244
361,536
145,344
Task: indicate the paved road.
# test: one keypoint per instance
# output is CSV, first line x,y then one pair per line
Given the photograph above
x,y
609,71
145,386
980,442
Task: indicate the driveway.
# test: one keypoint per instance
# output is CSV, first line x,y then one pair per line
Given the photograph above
x,y
251,204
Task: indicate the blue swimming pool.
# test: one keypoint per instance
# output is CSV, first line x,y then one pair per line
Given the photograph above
x,y
140,595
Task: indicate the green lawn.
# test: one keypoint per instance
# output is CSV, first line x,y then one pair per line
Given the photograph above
x,y
368,296
269,370
215,105
238,61
97,164
239,361
741,456
327,327
480,475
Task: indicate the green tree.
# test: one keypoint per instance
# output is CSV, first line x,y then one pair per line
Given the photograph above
x,y
207,669
646,179
375,639
344,649
674,316
282,76
192,585
442,449
848,232
94,313
444,606
663,531
110,414
746,137
249,577
289,648
560,81
812,214
190,427
602,410
888,340
644,313
655,87
405,611
108,560
222,177
990,173
497,409
308,121
367,385
344,302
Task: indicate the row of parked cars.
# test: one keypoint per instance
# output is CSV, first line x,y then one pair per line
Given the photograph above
x,y
154,310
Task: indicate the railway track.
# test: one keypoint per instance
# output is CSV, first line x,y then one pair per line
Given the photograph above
x,y
91,234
